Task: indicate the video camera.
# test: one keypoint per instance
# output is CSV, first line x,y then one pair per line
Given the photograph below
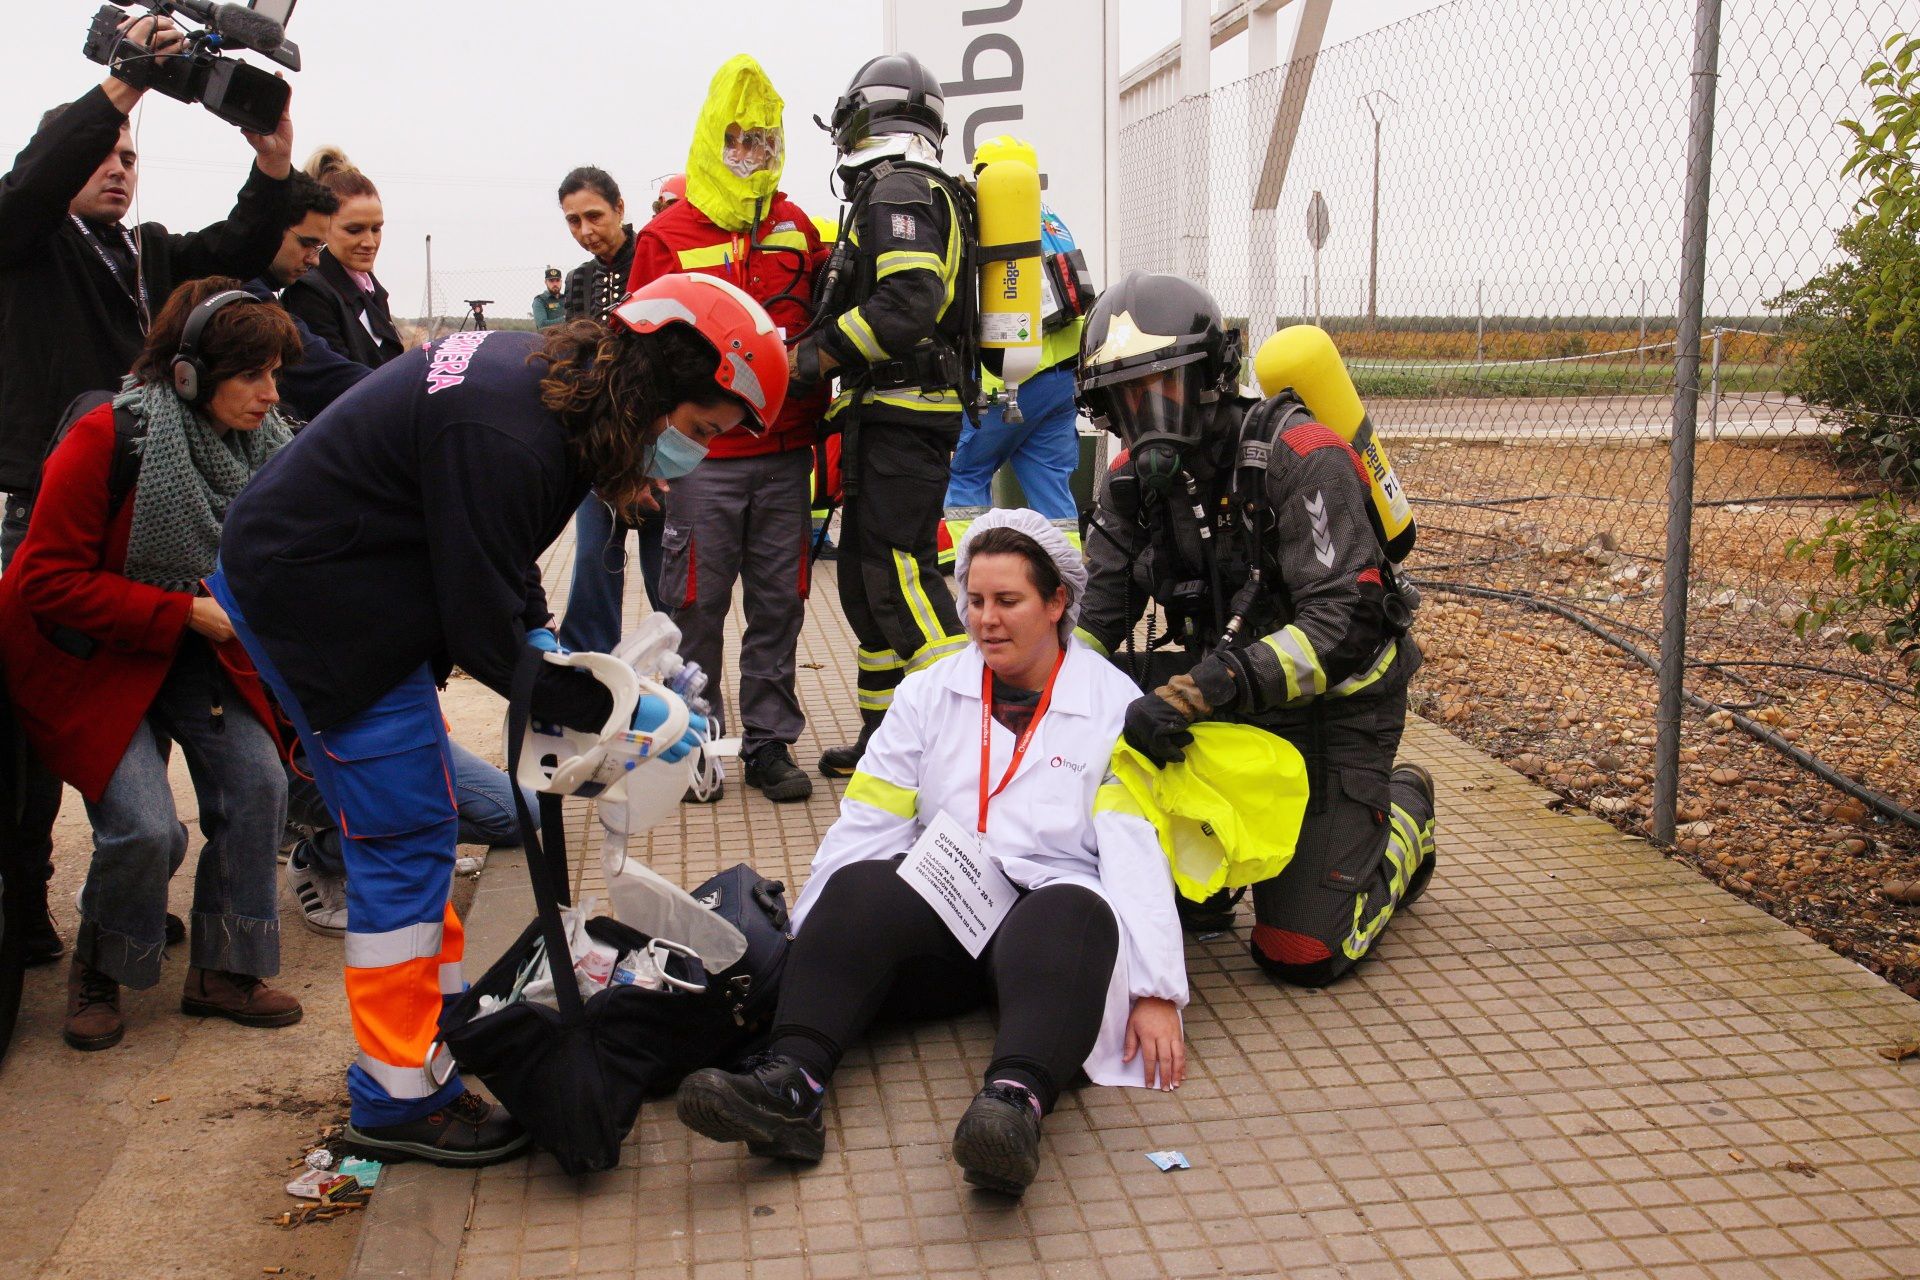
x,y
236,92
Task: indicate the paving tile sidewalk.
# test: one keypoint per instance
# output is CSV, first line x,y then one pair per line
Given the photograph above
x,y
1572,1058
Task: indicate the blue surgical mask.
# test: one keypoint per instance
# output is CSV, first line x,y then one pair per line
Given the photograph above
x,y
674,454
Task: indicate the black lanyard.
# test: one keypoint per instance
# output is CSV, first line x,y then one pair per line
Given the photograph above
x,y
137,292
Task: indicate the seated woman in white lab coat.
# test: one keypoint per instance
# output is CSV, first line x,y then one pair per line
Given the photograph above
x,y
1086,967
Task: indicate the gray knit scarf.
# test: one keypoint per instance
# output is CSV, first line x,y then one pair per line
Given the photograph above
x,y
189,473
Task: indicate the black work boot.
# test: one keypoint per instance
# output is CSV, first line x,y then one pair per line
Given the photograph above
x,y
1422,781
468,1131
998,1139
770,767
770,1103
840,762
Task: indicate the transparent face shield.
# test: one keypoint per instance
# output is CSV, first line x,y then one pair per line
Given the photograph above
x,y
1160,406
746,152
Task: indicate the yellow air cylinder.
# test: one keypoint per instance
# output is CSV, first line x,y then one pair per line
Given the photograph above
x,y
1304,358
1008,192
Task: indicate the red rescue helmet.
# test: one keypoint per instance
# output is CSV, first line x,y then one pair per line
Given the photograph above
x,y
673,186
752,360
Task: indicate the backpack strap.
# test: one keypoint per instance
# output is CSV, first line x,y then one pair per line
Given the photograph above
x,y
123,471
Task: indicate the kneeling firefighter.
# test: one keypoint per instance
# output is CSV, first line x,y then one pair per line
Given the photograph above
x,y
895,323
1252,527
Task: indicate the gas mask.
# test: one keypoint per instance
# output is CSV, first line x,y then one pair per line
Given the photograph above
x,y
1160,417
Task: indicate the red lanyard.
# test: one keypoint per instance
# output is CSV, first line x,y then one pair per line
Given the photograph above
x,y
1019,746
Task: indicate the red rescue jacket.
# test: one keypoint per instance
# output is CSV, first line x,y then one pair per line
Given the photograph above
x,y
681,238
80,713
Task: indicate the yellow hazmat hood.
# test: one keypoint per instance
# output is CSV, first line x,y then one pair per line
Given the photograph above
x,y
740,94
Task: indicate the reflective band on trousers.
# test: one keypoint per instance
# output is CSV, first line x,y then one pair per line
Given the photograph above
x,y
409,1082
395,946
879,660
1407,844
453,979
932,653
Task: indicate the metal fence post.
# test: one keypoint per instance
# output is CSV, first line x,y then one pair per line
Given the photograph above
x,y
1686,410
1479,322
1713,406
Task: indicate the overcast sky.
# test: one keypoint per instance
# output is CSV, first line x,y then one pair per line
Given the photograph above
x,y
467,113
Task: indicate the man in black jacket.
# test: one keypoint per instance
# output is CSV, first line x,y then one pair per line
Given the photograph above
x,y
322,374
77,291
77,286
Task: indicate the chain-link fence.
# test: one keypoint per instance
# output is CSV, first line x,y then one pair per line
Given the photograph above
x,y
1504,190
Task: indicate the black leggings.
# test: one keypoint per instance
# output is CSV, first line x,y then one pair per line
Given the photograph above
x,y
871,947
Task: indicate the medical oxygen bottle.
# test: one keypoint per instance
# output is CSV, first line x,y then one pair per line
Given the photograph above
x,y
1008,195
1304,358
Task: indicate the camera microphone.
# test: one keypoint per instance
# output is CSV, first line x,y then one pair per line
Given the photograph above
x,y
236,24
242,26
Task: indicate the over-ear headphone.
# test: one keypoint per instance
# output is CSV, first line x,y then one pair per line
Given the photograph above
x,y
190,380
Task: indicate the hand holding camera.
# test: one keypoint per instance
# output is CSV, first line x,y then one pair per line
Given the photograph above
x,y
157,52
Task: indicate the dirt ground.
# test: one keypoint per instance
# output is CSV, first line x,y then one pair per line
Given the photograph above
x,y
1584,525
168,1155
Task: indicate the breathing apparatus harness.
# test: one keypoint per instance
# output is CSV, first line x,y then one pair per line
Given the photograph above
x,y
1259,433
849,274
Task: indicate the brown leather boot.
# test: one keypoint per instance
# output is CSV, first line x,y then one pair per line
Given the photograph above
x,y
93,1009
237,997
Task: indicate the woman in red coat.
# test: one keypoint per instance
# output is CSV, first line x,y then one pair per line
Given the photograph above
x,y
114,653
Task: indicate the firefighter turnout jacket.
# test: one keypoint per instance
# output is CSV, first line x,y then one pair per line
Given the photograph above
x,y
1316,625
899,344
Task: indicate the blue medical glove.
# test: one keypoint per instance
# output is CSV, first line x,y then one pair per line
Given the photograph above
x,y
652,713
544,640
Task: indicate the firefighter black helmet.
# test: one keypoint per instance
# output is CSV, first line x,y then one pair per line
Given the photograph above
x,y
893,93
1145,326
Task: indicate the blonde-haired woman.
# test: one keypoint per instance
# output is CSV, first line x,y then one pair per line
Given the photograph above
x,y
340,299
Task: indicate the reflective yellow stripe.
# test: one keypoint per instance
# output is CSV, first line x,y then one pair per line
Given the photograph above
x,y
784,240
1354,683
1114,798
707,255
1087,638
940,401
1407,846
898,260
907,570
934,651
950,269
879,660
861,335
1298,662
888,797
873,699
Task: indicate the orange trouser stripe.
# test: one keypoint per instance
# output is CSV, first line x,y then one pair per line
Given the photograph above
x,y
396,1008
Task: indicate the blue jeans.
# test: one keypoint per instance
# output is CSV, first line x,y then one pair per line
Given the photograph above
x,y
483,794
596,600
1044,449
139,841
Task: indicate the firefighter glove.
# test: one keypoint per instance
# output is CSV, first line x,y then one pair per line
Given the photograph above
x,y
1157,729
805,369
1219,678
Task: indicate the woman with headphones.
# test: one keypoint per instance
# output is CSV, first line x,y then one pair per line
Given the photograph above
x,y
114,653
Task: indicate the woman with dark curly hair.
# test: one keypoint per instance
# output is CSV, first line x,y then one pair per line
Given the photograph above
x,y
398,537
115,654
